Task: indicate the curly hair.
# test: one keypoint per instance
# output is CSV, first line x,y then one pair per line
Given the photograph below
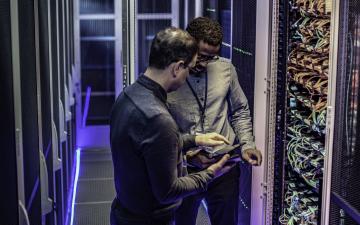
x,y
205,29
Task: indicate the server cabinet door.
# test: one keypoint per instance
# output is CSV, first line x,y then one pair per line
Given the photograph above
x,y
31,111
8,160
343,166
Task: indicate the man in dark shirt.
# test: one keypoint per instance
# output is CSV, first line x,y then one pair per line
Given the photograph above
x,y
146,144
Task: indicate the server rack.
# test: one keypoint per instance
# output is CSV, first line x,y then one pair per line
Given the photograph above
x,y
344,185
8,162
31,96
29,101
303,43
45,72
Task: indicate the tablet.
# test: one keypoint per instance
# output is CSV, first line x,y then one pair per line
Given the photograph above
x,y
220,150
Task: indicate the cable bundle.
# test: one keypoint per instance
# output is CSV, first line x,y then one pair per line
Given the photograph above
x,y
307,89
305,154
302,205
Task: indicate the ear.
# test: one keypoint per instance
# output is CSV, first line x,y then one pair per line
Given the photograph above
x,y
176,67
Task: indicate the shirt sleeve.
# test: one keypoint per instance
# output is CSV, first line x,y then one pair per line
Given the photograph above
x,y
188,141
240,118
160,148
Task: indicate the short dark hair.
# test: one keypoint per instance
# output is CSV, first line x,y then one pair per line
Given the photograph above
x,y
206,29
171,45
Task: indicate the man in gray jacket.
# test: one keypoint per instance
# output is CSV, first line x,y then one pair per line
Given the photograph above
x,y
145,143
213,101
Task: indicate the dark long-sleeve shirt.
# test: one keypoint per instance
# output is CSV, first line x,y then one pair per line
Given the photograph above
x,y
146,149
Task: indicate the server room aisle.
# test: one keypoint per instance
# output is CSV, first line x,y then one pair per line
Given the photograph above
x,y
95,188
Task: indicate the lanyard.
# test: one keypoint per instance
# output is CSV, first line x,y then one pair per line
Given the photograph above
x,y
202,107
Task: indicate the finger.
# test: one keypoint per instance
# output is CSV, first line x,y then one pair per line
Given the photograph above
x,y
193,153
252,162
256,154
219,137
246,157
215,142
223,160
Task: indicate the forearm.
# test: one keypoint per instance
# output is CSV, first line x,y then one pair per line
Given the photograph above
x,y
188,185
188,141
243,129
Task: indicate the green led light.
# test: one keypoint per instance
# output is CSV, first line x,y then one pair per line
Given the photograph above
x,y
210,10
242,51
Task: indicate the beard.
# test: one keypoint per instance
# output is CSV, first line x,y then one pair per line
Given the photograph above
x,y
198,69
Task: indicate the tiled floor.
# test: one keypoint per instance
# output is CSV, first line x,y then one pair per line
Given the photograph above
x,y
95,189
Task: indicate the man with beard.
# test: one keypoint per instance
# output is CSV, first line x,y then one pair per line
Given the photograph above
x,y
145,143
213,101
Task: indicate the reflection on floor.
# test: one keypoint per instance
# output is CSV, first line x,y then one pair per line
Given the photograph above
x,y
95,190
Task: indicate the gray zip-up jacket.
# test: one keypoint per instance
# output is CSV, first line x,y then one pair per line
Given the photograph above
x,y
227,110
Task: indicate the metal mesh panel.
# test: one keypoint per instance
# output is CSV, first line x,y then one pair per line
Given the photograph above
x,y
92,214
339,216
92,156
103,169
202,216
243,52
95,191
243,58
346,155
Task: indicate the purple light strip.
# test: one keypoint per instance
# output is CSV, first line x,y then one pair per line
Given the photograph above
x,y
75,185
48,149
86,106
205,206
73,190
33,193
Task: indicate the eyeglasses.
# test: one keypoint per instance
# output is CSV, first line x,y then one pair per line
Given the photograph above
x,y
207,58
186,66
